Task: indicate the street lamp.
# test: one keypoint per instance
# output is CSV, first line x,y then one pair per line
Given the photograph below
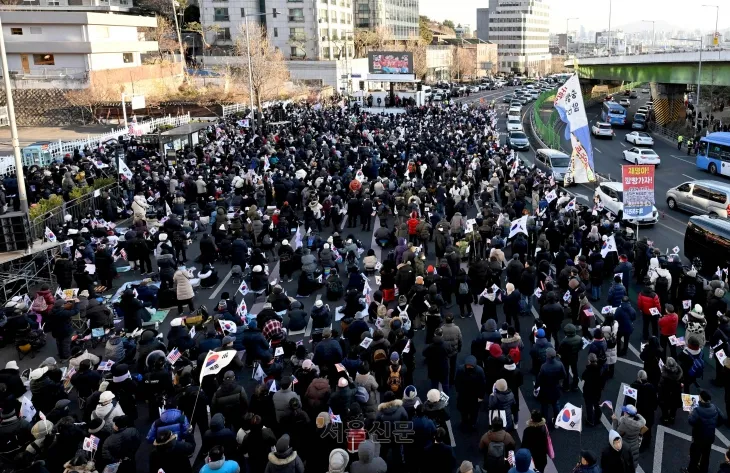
x,y
13,126
717,33
245,15
653,24
699,73
610,5
566,32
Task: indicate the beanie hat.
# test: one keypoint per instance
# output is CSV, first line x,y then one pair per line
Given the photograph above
x,y
282,445
343,382
410,392
338,461
540,333
495,350
318,303
433,395
44,427
106,396
523,458
394,357
307,364
501,385
550,352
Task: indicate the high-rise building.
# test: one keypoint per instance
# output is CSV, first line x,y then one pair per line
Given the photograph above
x,y
521,30
483,24
318,30
398,17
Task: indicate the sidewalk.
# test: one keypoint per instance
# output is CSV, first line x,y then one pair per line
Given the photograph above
x,y
29,135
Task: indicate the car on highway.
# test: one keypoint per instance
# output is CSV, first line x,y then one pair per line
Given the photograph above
x,y
474,89
515,103
437,97
484,86
649,104
524,99
602,129
514,124
553,162
610,194
639,121
701,197
645,91
642,156
643,110
507,98
633,95
514,111
625,102
639,138
518,140
535,94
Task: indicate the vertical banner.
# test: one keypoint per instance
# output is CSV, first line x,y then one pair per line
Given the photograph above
x,y
638,195
569,104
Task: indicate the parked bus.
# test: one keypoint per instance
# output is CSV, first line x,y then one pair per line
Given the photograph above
x,y
714,153
613,113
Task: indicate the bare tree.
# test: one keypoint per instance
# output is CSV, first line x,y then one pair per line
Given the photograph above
x,y
165,35
99,93
371,40
268,70
463,63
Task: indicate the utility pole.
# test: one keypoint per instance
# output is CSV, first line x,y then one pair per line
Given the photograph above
x,y
13,126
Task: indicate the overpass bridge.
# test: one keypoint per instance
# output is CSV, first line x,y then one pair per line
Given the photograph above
x,y
669,75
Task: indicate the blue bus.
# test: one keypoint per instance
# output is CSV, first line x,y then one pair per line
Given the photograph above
x,y
613,113
714,153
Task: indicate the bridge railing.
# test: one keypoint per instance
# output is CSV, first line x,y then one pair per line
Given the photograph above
x,y
545,131
663,131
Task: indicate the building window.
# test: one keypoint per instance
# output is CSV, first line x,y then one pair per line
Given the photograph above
x,y
326,52
296,52
296,34
296,15
276,32
128,58
44,60
36,30
221,14
223,34
16,31
56,3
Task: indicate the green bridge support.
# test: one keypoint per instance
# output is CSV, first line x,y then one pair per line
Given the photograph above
x,y
668,102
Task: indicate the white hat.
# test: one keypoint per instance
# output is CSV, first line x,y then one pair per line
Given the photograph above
x,y
318,303
285,242
176,322
67,218
37,373
163,236
11,365
106,397
257,268
326,246
433,395
222,227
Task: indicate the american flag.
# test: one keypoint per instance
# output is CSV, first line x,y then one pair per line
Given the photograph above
x,y
174,356
123,254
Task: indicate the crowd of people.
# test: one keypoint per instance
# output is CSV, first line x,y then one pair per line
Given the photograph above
x,y
460,222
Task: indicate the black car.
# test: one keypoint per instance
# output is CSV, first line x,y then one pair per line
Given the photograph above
x,y
707,242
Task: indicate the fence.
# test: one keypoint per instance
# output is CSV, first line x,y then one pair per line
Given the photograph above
x,y
77,208
663,131
245,107
58,149
546,132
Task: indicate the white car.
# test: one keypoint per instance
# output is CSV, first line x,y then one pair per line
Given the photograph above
x,y
514,124
642,156
602,129
625,102
644,110
645,91
649,105
610,194
640,138
474,89
514,111
437,97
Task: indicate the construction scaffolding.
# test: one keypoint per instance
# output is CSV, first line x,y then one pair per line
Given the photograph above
x,y
24,273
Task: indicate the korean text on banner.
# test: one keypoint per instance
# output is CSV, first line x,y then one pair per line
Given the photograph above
x,y
571,108
638,193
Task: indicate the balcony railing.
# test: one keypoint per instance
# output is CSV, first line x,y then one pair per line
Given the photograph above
x,y
296,19
222,18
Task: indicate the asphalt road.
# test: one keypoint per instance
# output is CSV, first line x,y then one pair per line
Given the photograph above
x,y
667,453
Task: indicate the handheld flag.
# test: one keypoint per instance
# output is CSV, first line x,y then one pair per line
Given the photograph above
x,y
569,418
518,226
50,236
215,361
550,196
173,356
334,418
607,404
124,169
608,246
259,374
571,205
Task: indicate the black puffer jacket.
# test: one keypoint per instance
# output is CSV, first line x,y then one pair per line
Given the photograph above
x,y
122,444
571,345
230,400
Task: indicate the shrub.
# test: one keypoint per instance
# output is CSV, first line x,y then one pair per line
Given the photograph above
x,y
45,205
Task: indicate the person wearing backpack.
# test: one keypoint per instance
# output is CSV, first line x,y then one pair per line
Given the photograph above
x,y
463,294
661,280
43,301
695,324
495,445
395,376
689,288
692,363
610,334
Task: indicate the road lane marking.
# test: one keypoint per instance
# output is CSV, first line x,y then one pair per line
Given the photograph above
x,y
308,330
659,445
222,283
682,159
621,143
690,177
631,362
598,150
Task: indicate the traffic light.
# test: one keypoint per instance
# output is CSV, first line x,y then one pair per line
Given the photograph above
x,y
275,13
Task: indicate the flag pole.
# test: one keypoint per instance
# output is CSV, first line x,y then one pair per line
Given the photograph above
x,y
200,386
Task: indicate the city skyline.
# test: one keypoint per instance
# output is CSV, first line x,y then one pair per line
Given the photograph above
x,y
594,16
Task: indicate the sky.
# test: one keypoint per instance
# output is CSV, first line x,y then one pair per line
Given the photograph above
x,y
593,15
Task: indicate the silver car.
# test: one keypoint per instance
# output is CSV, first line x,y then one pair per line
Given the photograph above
x,y
553,162
700,197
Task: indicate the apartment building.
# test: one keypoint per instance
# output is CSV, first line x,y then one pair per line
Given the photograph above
x,y
520,28
398,17
301,30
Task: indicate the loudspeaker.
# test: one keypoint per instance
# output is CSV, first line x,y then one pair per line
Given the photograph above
x,y
14,232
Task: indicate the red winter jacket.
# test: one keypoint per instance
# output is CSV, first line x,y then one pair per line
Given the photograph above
x,y
668,324
647,301
412,224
